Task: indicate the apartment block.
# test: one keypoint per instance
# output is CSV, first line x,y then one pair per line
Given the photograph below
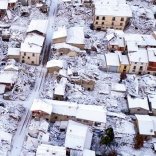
x,y
111,15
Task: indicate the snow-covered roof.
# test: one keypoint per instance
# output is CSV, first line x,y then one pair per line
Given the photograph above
x,y
87,152
35,39
121,10
132,46
14,51
55,63
38,25
5,136
60,33
39,105
2,88
151,54
63,72
61,87
118,87
140,40
79,110
123,58
112,59
91,113
44,125
3,4
114,2
11,67
12,1
63,107
136,39
64,45
75,35
49,150
149,39
32,43
8,77
152,99
145,124
78,136
137,102
139,56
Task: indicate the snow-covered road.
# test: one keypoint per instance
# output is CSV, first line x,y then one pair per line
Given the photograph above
x,y
21,132
20,135
50,31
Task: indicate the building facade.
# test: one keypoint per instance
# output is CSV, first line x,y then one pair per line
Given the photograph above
x,y
108,15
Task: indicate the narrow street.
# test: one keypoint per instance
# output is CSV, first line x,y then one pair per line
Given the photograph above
x,y
21,132
50,31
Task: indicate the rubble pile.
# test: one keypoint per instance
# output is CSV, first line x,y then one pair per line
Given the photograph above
x,y
25,82
143,18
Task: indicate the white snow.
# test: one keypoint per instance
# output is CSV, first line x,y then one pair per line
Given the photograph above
x,y
38,25
145,124
75,35
78,136
39,105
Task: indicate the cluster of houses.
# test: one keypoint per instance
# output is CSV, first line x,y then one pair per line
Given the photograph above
x,y
64,73
132,53
8,76
145,113
65,41
75,119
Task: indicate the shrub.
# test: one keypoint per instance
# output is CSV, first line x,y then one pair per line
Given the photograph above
x,y
138,141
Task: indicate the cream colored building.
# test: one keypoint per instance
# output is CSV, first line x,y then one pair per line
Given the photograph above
x,y
75,37
124,63
31,49
111,14
138,61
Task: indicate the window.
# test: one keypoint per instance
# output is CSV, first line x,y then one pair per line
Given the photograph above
x,y
23,57
99,29
103,18
32,62
134,67
96,22
23,61
97,17
33,54
122,19
55,117
121,24
112,23
28,57
125,67
141,67
102,23
113,19
24,54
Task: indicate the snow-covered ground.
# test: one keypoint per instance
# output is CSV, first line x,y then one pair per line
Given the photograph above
x,y
89,65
